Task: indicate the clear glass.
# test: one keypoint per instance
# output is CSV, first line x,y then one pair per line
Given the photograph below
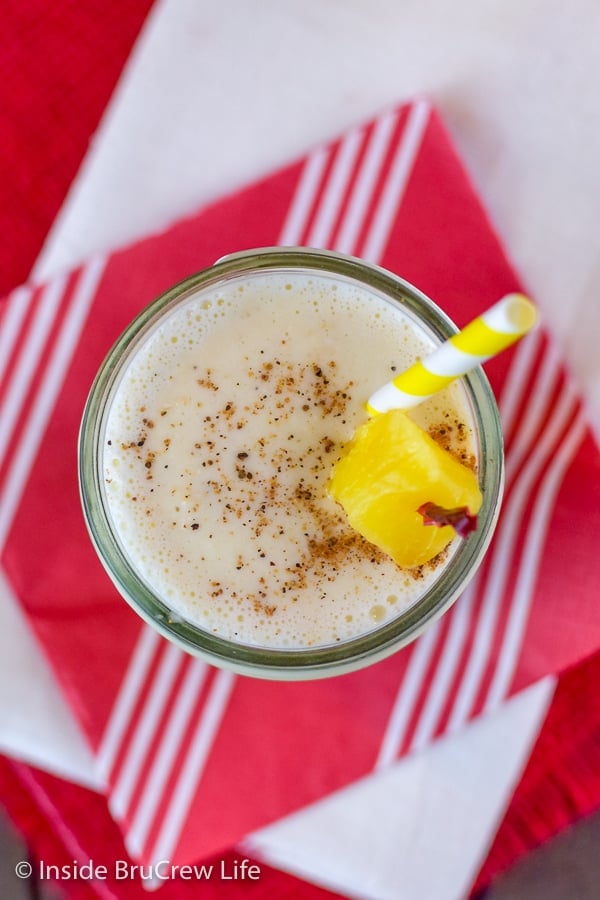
x,y
300,663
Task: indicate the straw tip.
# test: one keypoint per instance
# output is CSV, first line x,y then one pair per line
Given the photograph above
x,y
521,312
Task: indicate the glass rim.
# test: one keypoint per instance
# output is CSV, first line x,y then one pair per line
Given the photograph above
x,y
299,663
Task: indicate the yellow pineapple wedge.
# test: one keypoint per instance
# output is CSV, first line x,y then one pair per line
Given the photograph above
x,y
390,476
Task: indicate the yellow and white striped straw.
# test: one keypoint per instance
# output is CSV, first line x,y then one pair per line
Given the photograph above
x,y
484,337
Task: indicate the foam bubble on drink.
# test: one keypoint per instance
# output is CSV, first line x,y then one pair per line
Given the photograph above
x,y
219,443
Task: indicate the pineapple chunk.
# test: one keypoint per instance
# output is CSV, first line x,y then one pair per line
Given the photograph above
x,y
390,469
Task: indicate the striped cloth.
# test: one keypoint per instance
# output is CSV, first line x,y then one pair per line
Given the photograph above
x,y
168,730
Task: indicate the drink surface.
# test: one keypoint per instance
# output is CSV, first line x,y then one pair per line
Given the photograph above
x,y
219,443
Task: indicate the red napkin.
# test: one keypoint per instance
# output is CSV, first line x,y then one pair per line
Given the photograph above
x,y
59,64
68,826
173,735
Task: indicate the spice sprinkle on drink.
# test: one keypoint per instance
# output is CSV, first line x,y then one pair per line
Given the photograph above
x,y
219,445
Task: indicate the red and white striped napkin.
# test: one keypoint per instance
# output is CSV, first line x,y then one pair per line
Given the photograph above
x,y
195,758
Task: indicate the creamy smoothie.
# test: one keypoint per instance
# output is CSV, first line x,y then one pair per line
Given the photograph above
x,y
220,438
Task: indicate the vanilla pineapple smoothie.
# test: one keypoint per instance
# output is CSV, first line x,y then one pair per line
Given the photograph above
x,y
216,443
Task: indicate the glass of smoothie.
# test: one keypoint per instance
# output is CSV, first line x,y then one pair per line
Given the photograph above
x,y
207,445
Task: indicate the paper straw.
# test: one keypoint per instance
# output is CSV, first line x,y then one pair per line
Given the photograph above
x,y
484,337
